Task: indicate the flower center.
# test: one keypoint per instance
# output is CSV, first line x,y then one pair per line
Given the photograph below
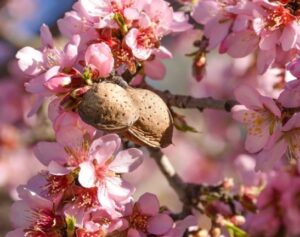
x,y
53,57
293,146
102,171
147,39
43,224
86,197
278,18
57,184
256,121
138,221
76,157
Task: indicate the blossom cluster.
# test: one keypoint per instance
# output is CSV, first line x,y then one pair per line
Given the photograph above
x,y
278,205
267,28
82,191
111,47
106,38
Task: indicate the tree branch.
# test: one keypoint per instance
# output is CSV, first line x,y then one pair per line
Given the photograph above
x,y
193,196
189,102
169,172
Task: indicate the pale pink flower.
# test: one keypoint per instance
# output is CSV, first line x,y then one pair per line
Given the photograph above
x,y
277,206
146,209
222,18
278,30
33,215
285,140
101,167
259,113
140,43
73,138
100,59
68,127
44,64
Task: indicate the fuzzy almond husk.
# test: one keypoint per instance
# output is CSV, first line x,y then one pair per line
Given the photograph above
x,y
154,127
108,106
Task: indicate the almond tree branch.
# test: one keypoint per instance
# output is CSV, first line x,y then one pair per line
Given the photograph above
x,y
189,102
169,172
193,196
173,179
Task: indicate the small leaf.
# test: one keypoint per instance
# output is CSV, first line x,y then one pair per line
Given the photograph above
x,y
235,231
121,22
180,123
71,223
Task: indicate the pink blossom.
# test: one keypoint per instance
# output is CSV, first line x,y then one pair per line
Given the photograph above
x,y
33,215
153,222
102,166
100,58
277,206
284,140
277,27
220,18
44,64
71,147
140,43
259,113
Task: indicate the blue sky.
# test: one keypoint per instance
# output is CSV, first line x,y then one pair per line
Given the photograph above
x,y
48,12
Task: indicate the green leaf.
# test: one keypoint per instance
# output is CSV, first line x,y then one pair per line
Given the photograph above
x,y
235,231
87,76
71,222
180,123
121,22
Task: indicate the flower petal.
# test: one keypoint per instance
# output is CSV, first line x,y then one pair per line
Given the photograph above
x,y
87,177
159,224
50,151
127,161
248,96
148,204
104,147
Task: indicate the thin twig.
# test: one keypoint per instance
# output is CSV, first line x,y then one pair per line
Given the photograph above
x,y
169,172
192,196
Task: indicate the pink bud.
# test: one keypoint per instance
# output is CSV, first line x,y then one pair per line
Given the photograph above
x,y
100,58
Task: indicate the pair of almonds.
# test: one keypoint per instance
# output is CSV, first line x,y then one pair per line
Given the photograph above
x,y
141,115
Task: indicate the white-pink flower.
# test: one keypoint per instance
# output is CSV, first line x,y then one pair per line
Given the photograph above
x,y
284,141
144,218
260,114
103,167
